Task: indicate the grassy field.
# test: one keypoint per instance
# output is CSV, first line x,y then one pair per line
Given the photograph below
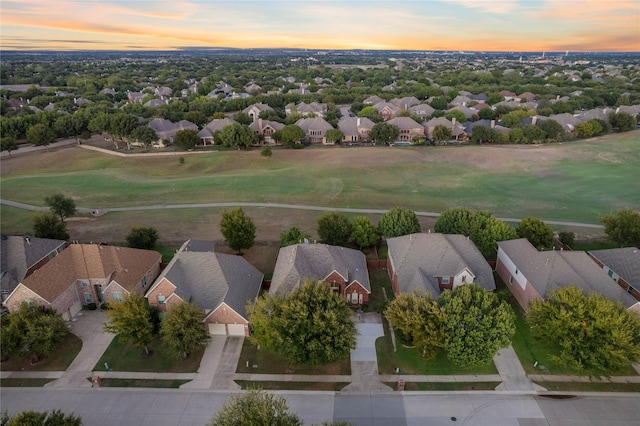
x,y
444,386
574,181
142,383
590,386
309,386
58,360
24,383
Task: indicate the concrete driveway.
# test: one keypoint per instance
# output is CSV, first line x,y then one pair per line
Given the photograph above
x,y
87,325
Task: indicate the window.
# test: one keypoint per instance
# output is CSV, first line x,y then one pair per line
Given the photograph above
x,y
511,279
88,298
161,299
144,281
84,283
610,273
116,295
630,290
464,278
516,271
445,280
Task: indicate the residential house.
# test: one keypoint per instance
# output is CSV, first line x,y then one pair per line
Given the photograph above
x,y
206,134
344,269
154,103
355,129
219,284
20,256
387,110
266,128
436,262
532,275
315,129
458,131
87,273
372,100
470,125
423,111
254,110
406,102
163,92
409,129
460,100
622,265
108,91
135,97
566,120
252,88
468,112
167,130
315,108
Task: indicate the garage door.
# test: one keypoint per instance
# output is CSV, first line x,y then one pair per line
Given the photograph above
x,y
217,329
75,308
236,329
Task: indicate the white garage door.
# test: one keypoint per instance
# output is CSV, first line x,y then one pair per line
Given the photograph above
x,y
236,329
75,308
217,329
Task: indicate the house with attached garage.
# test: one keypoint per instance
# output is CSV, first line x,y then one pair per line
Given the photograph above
x,y
530,274
315,129
355,129
266,129
87,273
341,268
215,125
408,128
23,255
622,265
436,262
254,110
219,284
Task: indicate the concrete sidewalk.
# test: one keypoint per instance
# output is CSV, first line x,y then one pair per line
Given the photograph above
x,y
208,364
511,373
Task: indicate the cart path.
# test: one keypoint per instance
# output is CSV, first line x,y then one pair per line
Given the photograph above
x,y
270,205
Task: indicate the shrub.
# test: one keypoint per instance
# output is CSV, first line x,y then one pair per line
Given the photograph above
x,y
92,306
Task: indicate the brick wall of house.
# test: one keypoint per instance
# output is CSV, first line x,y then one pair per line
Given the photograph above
x,y
68,297
164,288
114,287
356,288
225,315
335,277
392,276
621,281
22,294
523,296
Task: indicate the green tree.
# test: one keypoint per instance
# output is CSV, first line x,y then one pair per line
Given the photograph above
x,y
142,238
457,114
290,134
266,151
196,117
186,139
312,325
238,230
486,114
481,134
384,132
131,320
363,232
255,407
293,236
622,227
182,330
420,320
8,143
37,418
40,135
478,324
236,135
552,129
242,118
144,135
333,135
441,133
455,221
371,113
567,237
398,222
439,102
539,234
334,228
61,205
620,121
595,335
48,225
486,231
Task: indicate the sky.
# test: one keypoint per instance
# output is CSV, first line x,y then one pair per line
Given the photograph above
x,y
465,25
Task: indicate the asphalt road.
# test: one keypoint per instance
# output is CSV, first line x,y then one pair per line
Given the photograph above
x,y
272,205
114,406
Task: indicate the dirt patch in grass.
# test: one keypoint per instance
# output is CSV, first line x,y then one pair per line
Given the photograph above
x,y
590,386
268,363
24,383
309,386
58,360
141,383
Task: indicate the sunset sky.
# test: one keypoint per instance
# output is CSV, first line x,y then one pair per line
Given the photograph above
x,y
488,25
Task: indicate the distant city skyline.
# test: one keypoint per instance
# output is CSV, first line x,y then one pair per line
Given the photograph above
x,y
467,25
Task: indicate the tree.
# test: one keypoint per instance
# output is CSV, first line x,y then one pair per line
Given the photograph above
x,y
457,114
441,133
398,222
144,135
486,114
622,227
481,134
552,129
567,237
333,135
439,102
539,234
196,117
419,318
142,238
363,232
291,134
186,139
478,324
37,418
266,151
48,225
255,407
311,325
236,135
61,205
334,228
293,236
620,121
40,135
455,221
596,336
384,132
8,143
238,230
242,118
182,330
131,320
486,231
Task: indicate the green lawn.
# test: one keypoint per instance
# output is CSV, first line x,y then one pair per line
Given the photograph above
x,y
24,383
309,386
268,363
123,356
594,245
410,361
59,360
444,386
590,386
379,279
141,383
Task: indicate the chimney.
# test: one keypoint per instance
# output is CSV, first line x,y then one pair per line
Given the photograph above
x,y
260,124
358,122
557,97
453,121
493,124
534,120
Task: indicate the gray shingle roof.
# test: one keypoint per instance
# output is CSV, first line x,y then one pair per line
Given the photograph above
x,y
300,261
549,270
19,254
349,126
623,261
405,123
419,258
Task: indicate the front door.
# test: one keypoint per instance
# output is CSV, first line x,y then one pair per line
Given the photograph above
x,y
99,294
